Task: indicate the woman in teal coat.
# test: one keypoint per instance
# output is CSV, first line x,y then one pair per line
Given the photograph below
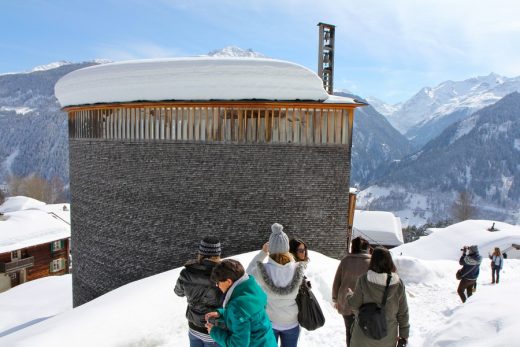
x,y
242,321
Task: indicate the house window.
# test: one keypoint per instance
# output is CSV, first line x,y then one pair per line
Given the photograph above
x,y
13,275
57,265
15,255
57,245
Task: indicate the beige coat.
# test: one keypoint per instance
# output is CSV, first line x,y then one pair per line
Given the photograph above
x,y
370,288
349,269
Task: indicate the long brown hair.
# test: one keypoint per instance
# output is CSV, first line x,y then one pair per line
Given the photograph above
x,y
281,258
497,252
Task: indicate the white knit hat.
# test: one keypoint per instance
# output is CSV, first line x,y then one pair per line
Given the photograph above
x,y
278,241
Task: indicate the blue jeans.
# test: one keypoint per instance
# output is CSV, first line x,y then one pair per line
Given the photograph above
x,y
196,342
289,337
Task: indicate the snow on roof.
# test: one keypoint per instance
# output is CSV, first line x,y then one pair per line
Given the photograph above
x,y
336,99
32,223
192,79
19,203
378,227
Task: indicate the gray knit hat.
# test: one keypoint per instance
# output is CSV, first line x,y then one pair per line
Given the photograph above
x,y
473,249
278,241
210,246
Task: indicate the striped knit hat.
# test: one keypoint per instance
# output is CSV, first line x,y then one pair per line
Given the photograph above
x,y
210,246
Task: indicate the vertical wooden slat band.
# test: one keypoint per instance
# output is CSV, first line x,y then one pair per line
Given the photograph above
x,y
256,124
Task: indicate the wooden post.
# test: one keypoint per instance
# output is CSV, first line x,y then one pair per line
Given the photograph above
x,y
350,217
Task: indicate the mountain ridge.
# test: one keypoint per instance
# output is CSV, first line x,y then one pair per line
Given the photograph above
x,y
480,154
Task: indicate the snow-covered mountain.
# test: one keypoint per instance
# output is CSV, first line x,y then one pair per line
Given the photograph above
x,y
374,143
233,51
480,154
33,129
382,107
431,110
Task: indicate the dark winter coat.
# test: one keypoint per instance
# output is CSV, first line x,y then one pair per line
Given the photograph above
x,y
470,266
202,294
349,269
370,287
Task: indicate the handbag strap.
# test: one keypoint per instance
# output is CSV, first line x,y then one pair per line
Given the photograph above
x,y
467,273
385,295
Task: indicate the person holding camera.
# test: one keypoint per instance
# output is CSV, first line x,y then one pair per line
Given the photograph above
x,y
470,261
242,321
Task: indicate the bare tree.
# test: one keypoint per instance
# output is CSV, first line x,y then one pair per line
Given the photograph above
x,y
14,184
2,196
57,190
37,187
463,208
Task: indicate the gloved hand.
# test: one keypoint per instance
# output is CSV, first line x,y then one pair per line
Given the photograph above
x,y
402,342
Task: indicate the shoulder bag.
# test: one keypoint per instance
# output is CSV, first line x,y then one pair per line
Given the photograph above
x,y
310,315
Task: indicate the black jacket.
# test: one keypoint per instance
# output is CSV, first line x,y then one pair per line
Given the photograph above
x,y
202,294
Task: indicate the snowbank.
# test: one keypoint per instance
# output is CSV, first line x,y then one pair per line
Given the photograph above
x,y
445,243
34,301
148,313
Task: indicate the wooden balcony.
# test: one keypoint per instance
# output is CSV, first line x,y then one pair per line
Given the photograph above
x,y
17,265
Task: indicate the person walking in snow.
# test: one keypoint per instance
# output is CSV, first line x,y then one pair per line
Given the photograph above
x,y
242,321
298,249
497,261
280,277
470,270
196,285
350,268
370,288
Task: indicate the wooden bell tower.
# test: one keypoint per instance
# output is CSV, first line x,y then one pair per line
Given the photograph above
x,y
326,55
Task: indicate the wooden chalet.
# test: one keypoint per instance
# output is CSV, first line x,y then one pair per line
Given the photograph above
x,y
34,243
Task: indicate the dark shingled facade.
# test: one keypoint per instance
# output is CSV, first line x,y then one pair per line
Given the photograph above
x,y
140,207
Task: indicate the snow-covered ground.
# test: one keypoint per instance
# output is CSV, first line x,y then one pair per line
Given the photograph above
x,y
147,312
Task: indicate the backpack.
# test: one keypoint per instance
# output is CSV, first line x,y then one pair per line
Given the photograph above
x,y
372,317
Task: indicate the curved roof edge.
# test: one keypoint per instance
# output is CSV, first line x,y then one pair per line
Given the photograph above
x,y
193,79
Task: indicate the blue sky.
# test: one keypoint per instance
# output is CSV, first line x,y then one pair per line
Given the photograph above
x,y
384,48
